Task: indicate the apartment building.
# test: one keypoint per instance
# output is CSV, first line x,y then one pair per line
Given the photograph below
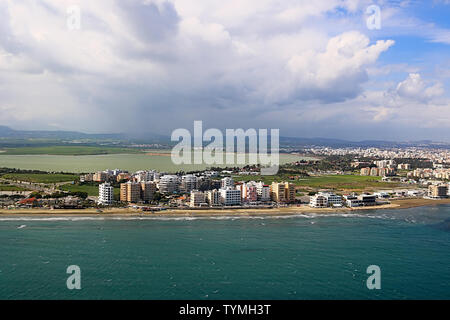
x,y
230,197
100,176
381,172
87,177
438,191
148,190
263,191
213,197
203,183
144,176
130,192
105,194
188,183
197,199
374,171
169,184
289,192
227,182
385,163
122,176
248,191
277,192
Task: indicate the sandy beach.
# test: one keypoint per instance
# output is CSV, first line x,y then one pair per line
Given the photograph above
x,y
291,210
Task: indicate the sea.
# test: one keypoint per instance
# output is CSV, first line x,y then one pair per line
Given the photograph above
x,y
304,256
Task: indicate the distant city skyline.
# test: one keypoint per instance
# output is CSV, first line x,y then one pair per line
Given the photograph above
x,y
311,69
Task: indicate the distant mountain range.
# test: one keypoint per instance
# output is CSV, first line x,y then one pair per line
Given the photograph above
x,y
6,132
148,138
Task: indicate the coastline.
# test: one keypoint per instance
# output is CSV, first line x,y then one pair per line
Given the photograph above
x,y
287,211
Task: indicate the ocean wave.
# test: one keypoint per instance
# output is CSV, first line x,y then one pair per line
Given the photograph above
x,y
193,218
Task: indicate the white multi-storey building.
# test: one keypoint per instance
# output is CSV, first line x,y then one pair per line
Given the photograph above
x,y
213,197
230,197
263,191
211,174
352,201
385,163
227,182
188,183
105,194
325,199
169,184
333,199
197,199
318,201
144,176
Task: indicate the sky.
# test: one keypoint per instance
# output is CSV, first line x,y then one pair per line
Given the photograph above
x,y
333,68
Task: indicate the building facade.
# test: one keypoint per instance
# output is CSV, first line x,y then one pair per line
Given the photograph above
x,y
277,192
318,201
130,192
148,190
197,199
230,197
105,194
188,183
213,198
438,191
227,182
169,184
289,192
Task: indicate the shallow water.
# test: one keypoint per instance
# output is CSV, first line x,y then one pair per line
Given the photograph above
x,y
91,163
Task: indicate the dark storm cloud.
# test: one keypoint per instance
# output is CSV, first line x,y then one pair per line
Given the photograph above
x,y
159,65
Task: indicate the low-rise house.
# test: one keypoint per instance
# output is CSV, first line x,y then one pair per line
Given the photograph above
x,y
325,199
318,201
352,201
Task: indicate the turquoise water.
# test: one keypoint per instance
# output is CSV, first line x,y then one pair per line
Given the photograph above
x,y
302,257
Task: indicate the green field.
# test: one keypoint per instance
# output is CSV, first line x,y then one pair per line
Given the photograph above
x,y
91,190
5,187
68,150
40,177
336,182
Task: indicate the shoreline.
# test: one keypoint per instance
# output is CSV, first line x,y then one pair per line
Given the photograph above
x,y
287,211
